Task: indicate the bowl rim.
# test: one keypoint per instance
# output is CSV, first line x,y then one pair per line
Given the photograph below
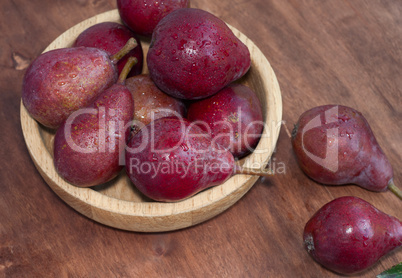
x,y
87,201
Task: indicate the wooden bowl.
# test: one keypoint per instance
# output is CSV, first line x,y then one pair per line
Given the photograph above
x,y
118,203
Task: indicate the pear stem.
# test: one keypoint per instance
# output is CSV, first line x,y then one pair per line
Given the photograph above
x,y
254,172
130,45
392,187
126,70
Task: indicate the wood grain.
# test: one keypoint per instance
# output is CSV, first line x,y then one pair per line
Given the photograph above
x,y
335,51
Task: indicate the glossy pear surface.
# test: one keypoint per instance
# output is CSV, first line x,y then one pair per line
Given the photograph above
x,y
348,235
150,102
335,145
61,81
89,145
111,37
233,116
170,159
193,54
142,16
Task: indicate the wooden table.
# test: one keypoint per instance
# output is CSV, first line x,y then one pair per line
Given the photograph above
x,y
340,52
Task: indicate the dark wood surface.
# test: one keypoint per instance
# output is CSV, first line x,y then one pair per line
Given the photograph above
x,y
336,51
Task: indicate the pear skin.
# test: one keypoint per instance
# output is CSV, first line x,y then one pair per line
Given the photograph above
x,y
193,54
170,160
348,235
335,145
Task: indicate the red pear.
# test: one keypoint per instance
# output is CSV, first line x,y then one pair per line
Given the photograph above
x,y
111,37
142,16
172,159
233,116
349,235
61,81
150,102
193,54
335,145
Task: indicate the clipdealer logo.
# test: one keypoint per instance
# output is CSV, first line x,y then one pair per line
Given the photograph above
x,y
330,160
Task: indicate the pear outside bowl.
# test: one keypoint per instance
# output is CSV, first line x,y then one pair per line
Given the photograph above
x,y
118,203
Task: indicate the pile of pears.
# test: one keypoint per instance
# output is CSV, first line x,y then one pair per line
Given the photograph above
x,y
166,127
108,115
